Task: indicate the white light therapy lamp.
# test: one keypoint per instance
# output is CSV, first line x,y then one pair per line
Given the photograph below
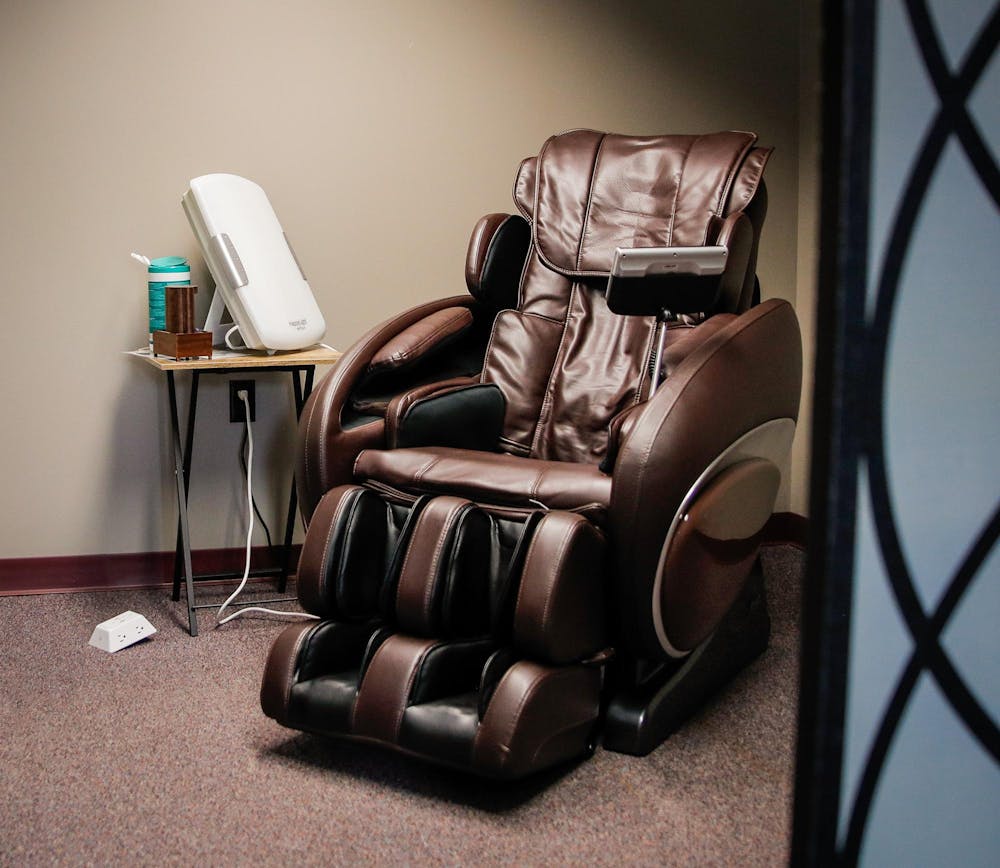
x,y
257,276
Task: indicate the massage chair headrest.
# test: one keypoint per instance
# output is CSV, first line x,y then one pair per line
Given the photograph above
x,y
589,192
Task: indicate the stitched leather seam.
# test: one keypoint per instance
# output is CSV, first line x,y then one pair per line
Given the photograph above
x,y
409,551
293,662
536,484
732,173
354,466
514,446
755,174
418,477
432,572
585,229
525,696
524,271
321,579
543,624
489,345
547,394
401,711
524,567
677,193
513,192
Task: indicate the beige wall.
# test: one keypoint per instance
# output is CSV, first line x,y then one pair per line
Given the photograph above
x,y
380,131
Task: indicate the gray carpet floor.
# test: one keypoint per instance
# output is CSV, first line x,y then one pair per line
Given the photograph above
x,y
159,754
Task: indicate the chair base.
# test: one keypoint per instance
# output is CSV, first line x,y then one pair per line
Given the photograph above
x,y
641,716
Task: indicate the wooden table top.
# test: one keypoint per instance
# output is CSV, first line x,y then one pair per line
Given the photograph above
x,y
243,359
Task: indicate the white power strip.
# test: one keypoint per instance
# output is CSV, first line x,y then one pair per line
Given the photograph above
x,y
121,631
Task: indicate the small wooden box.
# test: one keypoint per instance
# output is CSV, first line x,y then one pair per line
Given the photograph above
x,y
187,345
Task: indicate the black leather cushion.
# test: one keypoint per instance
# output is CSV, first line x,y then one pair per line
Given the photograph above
x,y
500,277
332,646
469,417
442,715
326,701
329,671
444,729
450,668
470,571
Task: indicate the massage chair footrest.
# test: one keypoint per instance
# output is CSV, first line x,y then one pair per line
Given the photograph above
x,y
501,722
468,641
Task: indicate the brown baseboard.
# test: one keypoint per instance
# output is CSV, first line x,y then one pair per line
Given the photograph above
x,y
62,575
787,529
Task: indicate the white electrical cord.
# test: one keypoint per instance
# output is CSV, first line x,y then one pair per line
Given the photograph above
x,y
235,328
242,395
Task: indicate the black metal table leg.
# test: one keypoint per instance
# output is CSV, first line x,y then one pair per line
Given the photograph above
x,y
286,557
188,448
182,516
183,452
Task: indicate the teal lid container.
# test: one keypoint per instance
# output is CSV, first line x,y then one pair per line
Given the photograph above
x,y
163,272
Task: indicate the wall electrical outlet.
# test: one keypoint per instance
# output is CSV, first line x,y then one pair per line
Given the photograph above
x,y
121,631
237,410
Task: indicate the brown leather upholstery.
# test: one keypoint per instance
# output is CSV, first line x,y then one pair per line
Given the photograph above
x,y
279,671
386,687
539,716
471,599
559,617
487,477
596,191
568,365
420,575
415,341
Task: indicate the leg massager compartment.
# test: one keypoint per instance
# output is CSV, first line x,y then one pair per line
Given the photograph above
x,y
346,577
459,634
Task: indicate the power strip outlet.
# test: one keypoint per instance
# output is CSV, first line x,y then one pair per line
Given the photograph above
x,y
121,631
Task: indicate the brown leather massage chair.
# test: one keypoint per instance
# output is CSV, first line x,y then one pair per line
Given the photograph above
x,y
534,511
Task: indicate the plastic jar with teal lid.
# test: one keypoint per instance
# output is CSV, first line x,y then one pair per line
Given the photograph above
x,y
163,272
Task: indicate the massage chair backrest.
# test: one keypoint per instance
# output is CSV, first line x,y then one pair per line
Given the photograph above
x,y
566,364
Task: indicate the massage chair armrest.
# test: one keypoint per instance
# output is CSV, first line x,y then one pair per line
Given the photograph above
x,y
331,434
461,413
746,374
422,338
